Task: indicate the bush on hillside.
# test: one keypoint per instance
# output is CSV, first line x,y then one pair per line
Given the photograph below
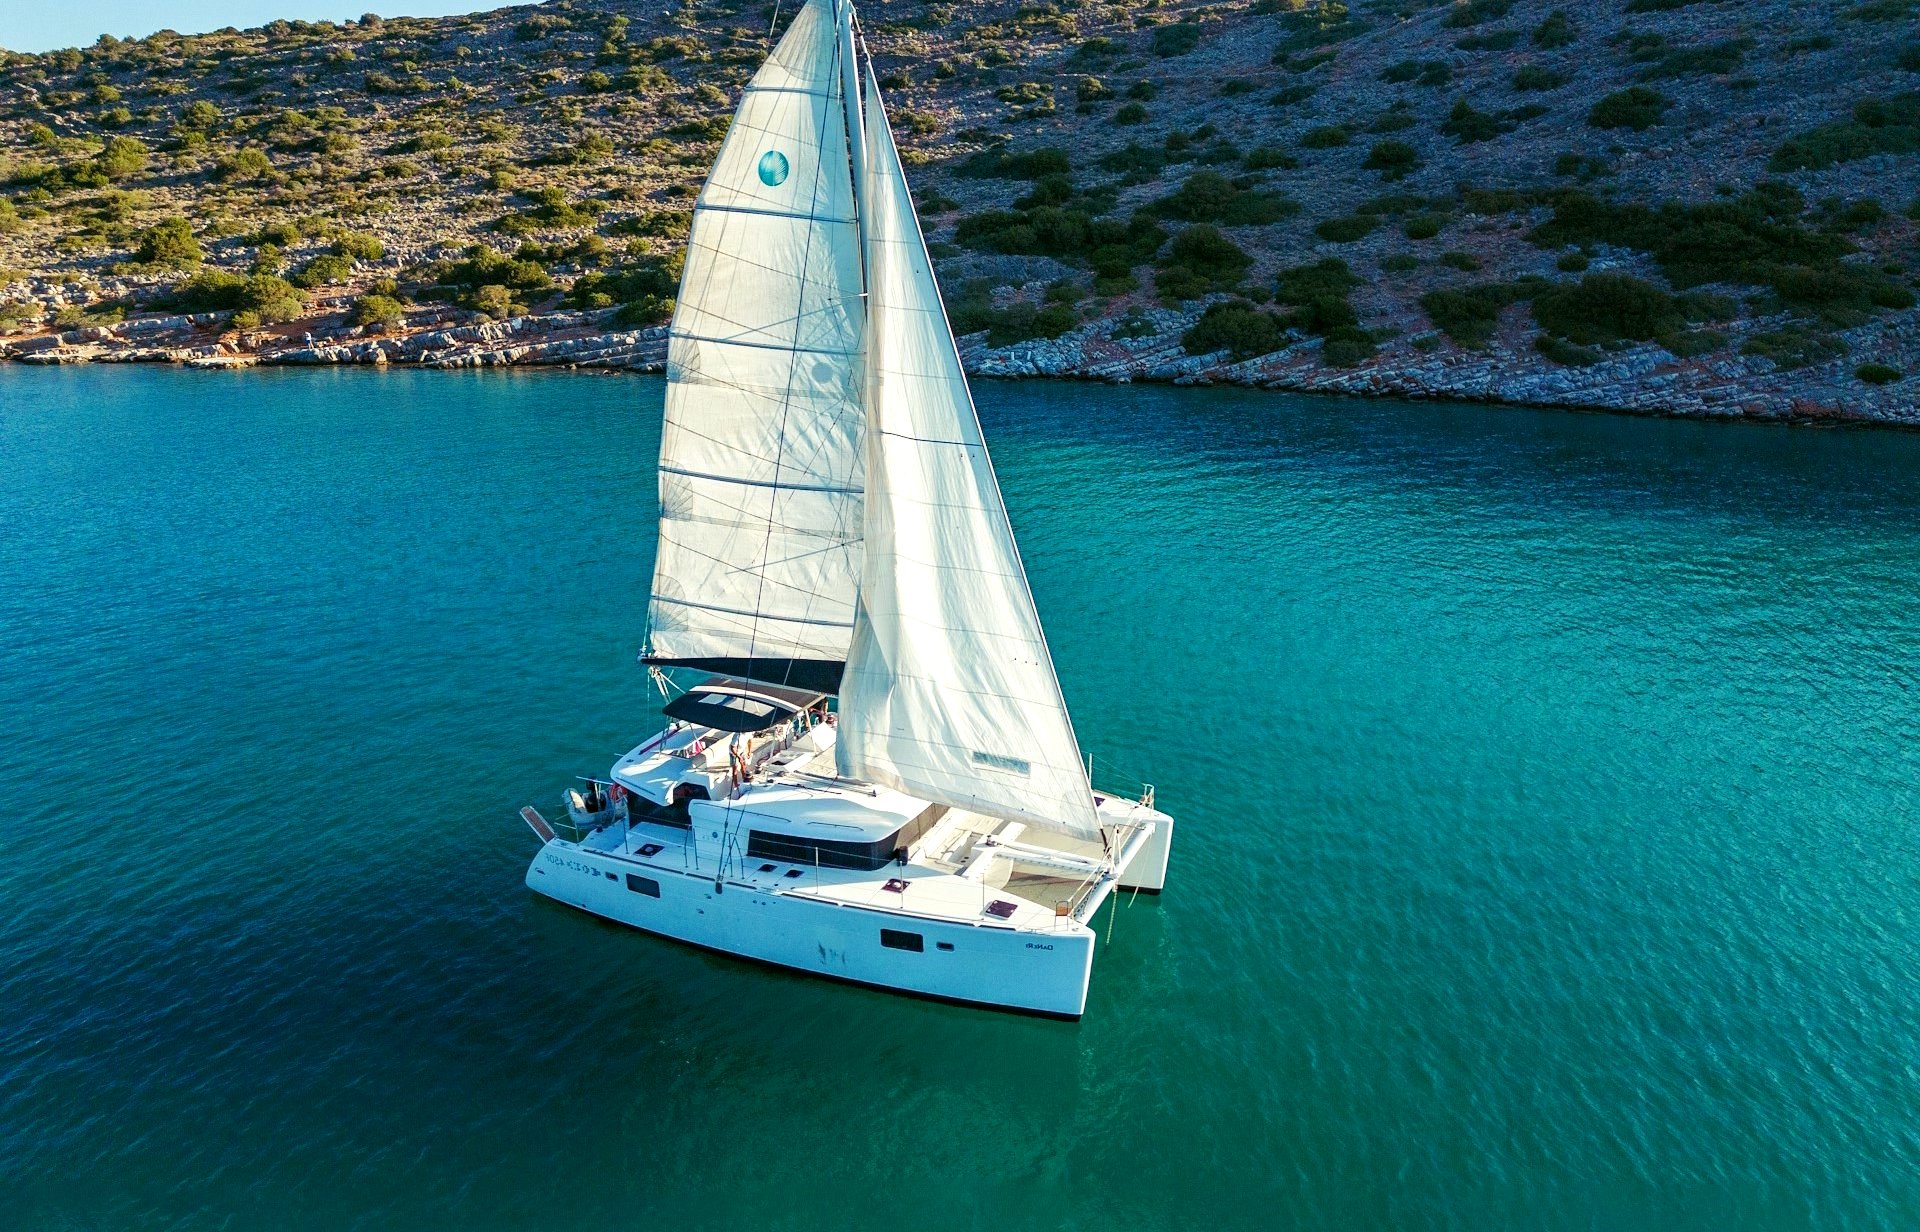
x,y
170,243
1636,107
1236,327
1199,261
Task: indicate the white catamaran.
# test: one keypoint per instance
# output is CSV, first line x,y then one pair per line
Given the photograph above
x,y
831,528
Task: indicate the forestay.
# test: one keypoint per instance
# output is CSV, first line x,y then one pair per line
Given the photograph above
x,y
761,459
949,692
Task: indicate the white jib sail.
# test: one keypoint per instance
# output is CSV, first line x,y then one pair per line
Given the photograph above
x,y
762,457
949,692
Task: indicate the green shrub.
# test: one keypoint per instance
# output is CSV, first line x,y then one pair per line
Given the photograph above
x,y
169,243
242,165
425,143
356,247
1877,126
1347,346
1753,239
1200,260
324,270
1392,159
377,312
1399,263
1467,123
1709,59
1238,328
1583,166
261,299
1346,229
122,157
1636,107
1607,308
1319,294
675,224
279,234
1003,164
1424,226
199,115
1491,40
1208,196
1460,260
972,311
1468,315
1269,158
643,289
1129,114
1560,351
1794,346
1533,77
1326,137
1556,31
1176,40
1572,262
1878,374
1467,13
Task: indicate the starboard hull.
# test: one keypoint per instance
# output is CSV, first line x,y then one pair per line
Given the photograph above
x,y
975,964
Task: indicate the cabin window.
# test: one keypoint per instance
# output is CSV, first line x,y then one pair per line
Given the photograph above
x,y
894,939
827,853
834,853
642,885
642,810
943,945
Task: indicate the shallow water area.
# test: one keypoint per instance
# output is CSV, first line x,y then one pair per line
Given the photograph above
x,y
1546,788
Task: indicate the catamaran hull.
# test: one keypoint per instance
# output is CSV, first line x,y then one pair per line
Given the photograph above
x,y
1001,968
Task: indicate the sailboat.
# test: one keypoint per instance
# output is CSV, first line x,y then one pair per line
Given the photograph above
x,y
874,777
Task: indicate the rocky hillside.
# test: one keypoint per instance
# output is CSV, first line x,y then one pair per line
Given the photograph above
x,y
1679,206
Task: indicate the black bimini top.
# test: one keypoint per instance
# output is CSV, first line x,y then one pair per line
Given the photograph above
x,y
740,705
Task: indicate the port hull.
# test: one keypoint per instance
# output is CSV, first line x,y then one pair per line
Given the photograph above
x,y
980,964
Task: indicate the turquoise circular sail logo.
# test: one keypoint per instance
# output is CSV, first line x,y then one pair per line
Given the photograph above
x,y
773,168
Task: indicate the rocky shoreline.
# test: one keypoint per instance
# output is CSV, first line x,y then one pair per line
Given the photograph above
x,y
1642,380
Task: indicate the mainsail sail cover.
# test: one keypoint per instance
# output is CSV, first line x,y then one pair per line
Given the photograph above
x,y
762,456
949,692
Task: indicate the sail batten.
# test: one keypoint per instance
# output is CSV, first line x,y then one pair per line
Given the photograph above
x,y
949,692
762,456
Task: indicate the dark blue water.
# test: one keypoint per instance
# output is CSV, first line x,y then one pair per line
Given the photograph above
x,y
1547,789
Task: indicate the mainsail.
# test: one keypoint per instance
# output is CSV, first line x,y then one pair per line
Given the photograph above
x,y
762,456
949,692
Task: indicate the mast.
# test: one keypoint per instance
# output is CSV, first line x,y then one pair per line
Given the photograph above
x,y
850,97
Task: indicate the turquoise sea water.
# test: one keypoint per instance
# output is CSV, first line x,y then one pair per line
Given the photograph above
x,y
1547,788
